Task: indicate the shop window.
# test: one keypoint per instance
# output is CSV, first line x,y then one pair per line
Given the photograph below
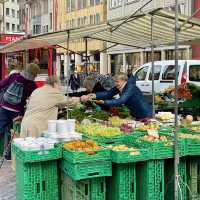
x,y
142,73
97,2
92,2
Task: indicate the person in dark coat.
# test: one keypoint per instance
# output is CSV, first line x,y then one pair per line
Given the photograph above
x,y
130,95
74,81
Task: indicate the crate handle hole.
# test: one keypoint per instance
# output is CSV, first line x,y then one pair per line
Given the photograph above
x,y
38,187
86,189
132,187
93,174
102,187
109,142
160,186
43,185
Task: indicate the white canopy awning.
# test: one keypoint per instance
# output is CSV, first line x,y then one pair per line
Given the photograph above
x,y
135,32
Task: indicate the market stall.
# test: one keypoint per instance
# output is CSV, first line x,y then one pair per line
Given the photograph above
x,y
144,152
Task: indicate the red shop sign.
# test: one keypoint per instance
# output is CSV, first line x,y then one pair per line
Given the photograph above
x,y
5,39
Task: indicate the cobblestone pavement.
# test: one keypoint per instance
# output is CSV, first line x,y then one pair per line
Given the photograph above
x,y
7,182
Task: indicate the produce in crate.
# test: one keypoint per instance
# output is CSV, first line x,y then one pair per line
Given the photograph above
x,y
99,130
150,138
164,116
88,146
123,147
149,126
116,121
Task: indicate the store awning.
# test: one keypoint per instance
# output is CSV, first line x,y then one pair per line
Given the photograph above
x,y
136,32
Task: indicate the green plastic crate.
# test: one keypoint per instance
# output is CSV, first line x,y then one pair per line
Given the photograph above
x,y
192,147
193,177
83,157
130,156
37,181
169,179
122,184
37,155
87,189
87,170
160,149
150,180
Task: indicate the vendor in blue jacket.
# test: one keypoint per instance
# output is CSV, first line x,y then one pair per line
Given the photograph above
x,y
130,95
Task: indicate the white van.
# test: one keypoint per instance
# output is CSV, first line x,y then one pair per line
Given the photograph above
x,y
164,74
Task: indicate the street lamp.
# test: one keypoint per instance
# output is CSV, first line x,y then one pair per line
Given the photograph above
x,y
3,18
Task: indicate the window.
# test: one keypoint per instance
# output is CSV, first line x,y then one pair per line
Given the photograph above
x,y
18,28
78,22
91,19
92,2
7,12
13,13
51,21
157,69
84,3
70,5
115,3
141,74
13,27
97,2
97,18
169,72
194,73
45,6
7,26
18,14
13,1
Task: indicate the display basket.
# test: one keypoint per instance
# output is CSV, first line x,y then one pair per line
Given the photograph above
x,y
87,170
28,156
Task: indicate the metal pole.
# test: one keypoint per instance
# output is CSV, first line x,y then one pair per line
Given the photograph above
x,y
176,156
152,65
68,32
86,56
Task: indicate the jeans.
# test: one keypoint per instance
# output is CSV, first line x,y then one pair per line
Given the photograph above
x,y
6,121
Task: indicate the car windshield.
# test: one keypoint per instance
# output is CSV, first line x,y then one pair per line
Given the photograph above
x,y
194,73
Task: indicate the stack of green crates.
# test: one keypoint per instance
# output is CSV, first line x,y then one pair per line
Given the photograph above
x,y
87,189
169,179
150,180
37,175
81,165
122,184
193,177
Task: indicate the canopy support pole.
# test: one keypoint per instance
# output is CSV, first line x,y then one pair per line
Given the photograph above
x,y
68,68
152,65
86,55
176,156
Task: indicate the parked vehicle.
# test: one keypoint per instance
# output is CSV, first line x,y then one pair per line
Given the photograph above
x,y
164,74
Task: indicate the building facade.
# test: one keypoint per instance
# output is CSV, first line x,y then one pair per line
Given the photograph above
x,y
123,58
9,17
79,13
37,16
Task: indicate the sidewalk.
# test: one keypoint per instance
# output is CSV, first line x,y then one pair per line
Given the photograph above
x,y
7,182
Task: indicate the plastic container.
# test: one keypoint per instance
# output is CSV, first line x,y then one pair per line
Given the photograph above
x,y
87,170
62,126
52,125
71,125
